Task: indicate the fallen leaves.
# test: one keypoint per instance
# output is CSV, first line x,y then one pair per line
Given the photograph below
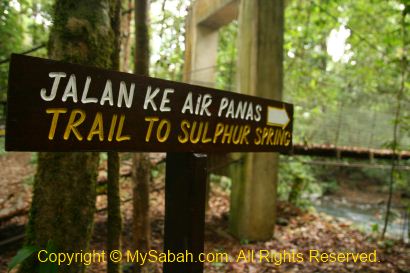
x,y
296,231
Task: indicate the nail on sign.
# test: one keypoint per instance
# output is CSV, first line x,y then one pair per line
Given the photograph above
x,y
57,106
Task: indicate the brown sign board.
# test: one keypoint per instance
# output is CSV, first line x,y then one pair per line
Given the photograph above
x,y
57,106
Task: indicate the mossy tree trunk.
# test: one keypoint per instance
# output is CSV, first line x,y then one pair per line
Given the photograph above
x,y
64,194
141,162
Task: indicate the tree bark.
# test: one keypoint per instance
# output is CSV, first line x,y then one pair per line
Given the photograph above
x,y
141,38
64,189
114,221
141,162
141,215
63,205
126,45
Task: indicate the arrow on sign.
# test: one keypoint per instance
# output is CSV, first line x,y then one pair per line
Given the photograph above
x,y
278,117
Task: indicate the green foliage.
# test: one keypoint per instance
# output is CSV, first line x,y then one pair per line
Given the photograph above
x,y
21,255
387,245
360,83
103,157
101,188
168,39
375,228
223,182
29,180
2,151
34,158
296,180
24,24
49,267
344,100
154,172
11,38
226,59
330,187
300,182
158,170
381,176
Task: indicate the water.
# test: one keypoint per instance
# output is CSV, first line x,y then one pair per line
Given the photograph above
x,y
365,217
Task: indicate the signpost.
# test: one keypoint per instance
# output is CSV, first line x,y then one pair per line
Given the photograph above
x,y
57,106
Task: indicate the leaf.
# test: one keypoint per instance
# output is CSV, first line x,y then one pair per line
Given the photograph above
x,y
21,255
51,247
48,267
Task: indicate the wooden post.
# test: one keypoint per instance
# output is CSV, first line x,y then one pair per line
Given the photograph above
x,y
185,184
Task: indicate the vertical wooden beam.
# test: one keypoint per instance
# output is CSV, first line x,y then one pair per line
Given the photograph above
x,y
260,73
185,184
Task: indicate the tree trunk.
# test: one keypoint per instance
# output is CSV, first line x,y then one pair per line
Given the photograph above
x,y
141,216
141,38
126,45
114,222
63,203
141,162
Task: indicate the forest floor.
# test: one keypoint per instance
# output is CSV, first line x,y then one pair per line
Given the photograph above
x,y
296,230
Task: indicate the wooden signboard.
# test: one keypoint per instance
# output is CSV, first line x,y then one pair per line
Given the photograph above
x,y
57,106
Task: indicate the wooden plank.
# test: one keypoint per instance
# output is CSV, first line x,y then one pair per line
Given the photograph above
x,y
185,186
92,109
347,152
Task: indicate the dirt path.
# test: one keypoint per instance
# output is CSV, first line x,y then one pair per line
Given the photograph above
x,y
298,230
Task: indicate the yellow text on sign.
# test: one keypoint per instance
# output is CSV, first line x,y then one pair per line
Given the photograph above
x,y
74,121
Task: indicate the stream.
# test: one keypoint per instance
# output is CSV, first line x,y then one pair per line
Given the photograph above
x,y
365,217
